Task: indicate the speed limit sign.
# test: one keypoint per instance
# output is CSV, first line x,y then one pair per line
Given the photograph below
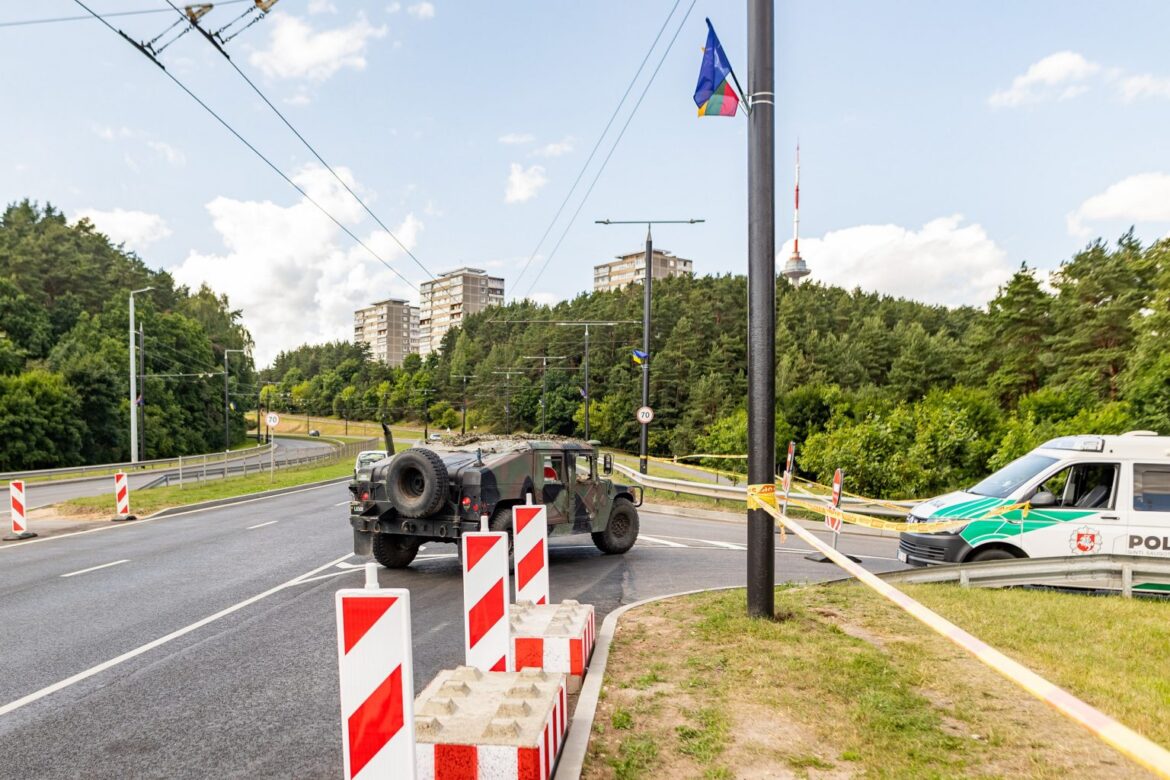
x,y
273,419
645,415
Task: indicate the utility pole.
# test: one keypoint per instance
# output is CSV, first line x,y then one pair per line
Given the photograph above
x,y
226,404
544,384
141,408
761,558
508,396
464,377
425,415
648,280
134,382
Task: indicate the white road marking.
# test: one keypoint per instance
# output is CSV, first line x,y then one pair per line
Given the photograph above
x,y
95,568
712,542
656,540
145,520
12,706
342,503
261,525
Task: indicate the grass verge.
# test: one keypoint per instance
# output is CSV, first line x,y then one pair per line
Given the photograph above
x,y
145,502
847,685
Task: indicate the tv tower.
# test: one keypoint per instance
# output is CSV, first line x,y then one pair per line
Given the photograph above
x,y
796,269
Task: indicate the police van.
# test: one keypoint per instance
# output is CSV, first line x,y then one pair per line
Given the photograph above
x,y
1076,495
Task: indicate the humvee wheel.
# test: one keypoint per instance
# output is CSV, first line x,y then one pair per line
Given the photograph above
x,y
622,530
502,521
394,551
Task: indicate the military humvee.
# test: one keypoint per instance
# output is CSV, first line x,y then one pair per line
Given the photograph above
x,y
438,491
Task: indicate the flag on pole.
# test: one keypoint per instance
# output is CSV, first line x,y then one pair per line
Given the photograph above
x,y
640,356
713,94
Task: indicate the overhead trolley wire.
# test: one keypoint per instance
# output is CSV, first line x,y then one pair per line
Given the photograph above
x,y
303,140
252,148
140,12
596,146
617,141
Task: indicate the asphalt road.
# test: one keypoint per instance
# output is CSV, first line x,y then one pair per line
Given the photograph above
x,y
39,494
203,644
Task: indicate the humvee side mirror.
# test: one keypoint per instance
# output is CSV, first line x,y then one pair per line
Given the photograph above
x,y
607,464
1043,498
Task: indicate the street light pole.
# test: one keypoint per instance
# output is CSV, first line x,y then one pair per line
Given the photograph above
x,y
644,435
226,403
761,560
134,381
544,384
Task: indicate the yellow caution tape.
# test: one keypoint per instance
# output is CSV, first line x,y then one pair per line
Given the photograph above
x,y
759,496
873,522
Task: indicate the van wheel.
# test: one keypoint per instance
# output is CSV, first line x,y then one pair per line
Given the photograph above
x,y
417,483
621,531
394,551
994,554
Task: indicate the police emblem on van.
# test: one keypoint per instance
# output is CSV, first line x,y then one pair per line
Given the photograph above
x,y
1085,540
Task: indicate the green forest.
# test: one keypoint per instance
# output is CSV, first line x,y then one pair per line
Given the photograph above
x,y
64,350
908,399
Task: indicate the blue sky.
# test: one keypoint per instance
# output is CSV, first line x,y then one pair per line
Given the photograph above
x,y
942,143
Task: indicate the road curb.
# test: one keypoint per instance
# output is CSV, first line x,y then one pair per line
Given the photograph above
x,y
740,518
572,759
218,502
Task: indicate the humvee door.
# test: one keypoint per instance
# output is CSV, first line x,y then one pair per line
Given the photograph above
x,y
555,475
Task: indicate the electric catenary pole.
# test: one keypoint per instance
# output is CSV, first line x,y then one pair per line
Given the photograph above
x,y
134,381
464,377
761,559
645,413
544,384
227,419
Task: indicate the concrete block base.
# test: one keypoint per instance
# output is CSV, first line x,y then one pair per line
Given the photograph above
x,y
490,725
554,637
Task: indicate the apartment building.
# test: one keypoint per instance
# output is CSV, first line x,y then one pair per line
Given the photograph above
x,y
446,300
390,327
632,268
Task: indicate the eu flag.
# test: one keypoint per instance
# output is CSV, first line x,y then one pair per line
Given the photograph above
x,y
713,94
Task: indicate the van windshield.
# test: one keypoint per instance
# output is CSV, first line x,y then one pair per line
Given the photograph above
x,y
1007,480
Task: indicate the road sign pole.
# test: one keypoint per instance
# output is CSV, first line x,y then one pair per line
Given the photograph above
x,y
761,558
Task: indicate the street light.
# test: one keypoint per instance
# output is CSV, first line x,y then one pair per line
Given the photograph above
x,y
134,382
643,438
226,405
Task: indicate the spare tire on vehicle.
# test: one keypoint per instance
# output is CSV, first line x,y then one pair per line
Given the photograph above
x,y
417,483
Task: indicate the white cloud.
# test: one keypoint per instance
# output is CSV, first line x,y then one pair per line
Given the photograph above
x,y
555,149
296,50
524,183
393,8
517,138
1144,85
168,152
136,229
1144,197
423,10
945,262
299,99
107,133
545,298
322,7
292,271
1059,76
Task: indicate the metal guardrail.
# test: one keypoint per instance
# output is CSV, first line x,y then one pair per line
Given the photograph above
x,y
1096,572
734,493
196,472
105,469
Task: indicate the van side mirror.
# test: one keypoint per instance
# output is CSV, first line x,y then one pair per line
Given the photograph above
x,y
1043,498
607,464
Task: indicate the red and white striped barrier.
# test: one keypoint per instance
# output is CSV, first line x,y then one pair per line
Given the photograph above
x,y
122,494
485,601
530,532
498,726
833,517
555,638
18,507
377,683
